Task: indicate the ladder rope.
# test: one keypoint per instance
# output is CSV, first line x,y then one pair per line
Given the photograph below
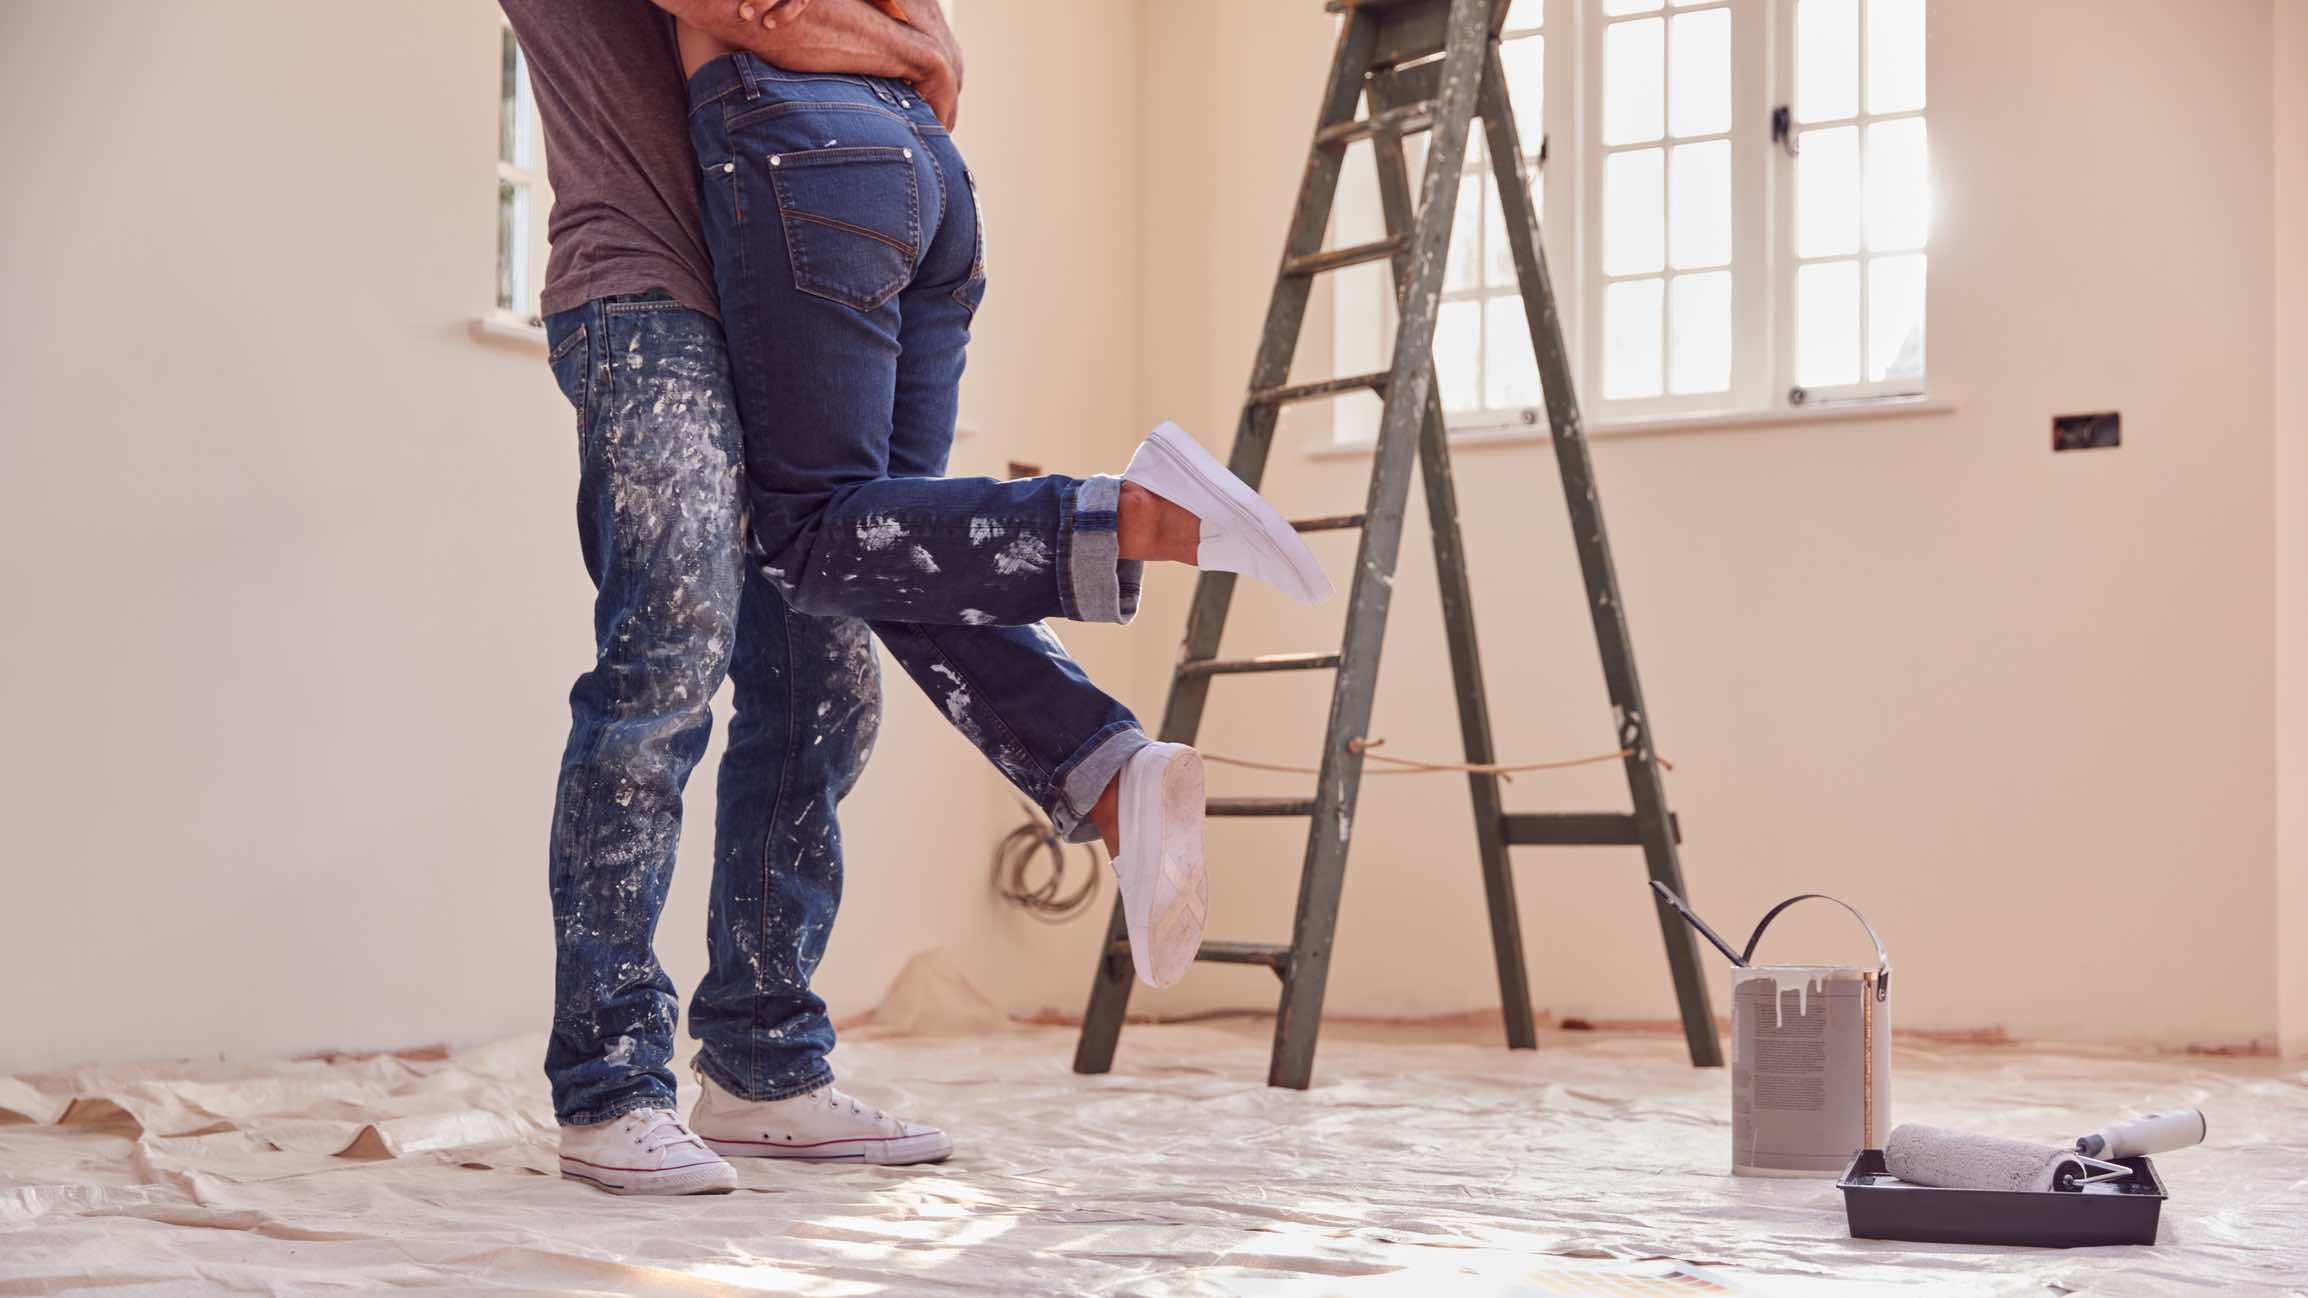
x,y
1419,766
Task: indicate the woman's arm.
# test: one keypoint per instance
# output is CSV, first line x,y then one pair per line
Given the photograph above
x,y
850,36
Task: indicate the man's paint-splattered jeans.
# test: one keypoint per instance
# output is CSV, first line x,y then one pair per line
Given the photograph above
x,y
679,609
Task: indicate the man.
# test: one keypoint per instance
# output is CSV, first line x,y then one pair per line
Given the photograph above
x,y
636,344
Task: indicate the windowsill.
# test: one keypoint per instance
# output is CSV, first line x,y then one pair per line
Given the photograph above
x,y
1837,412
505,327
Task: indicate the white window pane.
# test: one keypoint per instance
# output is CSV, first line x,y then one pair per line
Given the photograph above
x,y
1510,369
1632,69
1699,205
1895,318
1827,324
1631,338
1617,7
1364,298
1633,201
1898,185
1894,55
1826,59
512,103
1827,192
1526,64
1699,333
1523,15
1498,256
512,243
1458,341
1464,270
1699,73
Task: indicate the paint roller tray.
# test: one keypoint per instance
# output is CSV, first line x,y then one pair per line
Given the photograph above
x,y
2122,1211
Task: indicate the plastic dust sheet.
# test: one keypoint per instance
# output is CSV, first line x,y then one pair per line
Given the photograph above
x,y
1595,1165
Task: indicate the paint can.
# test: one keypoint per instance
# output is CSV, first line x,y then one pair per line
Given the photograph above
x,y
1810,1060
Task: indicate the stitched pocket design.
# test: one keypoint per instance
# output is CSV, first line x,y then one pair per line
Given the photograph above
x,y
852,220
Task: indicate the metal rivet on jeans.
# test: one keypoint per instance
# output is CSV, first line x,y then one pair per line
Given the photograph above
x,y
909,155
775,160
728,166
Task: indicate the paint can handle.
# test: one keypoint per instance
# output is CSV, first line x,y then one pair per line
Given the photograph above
x,y
1882,960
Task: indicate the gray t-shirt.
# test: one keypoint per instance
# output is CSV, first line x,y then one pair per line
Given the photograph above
x,y
616,114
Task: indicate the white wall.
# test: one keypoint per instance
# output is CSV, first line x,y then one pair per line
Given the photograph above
x,y
2013,705
295,602
293,588
2290,160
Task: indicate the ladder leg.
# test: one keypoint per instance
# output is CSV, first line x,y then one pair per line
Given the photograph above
x,y
1109,1001
1451,577
1653,827
1214,591
1410,384
1450,563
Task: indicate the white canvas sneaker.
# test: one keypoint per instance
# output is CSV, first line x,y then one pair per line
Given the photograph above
x,y
1240,532
647,1151
824,1126
1165,891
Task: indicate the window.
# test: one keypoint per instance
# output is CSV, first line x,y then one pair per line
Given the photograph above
x,y
521,205
1712,255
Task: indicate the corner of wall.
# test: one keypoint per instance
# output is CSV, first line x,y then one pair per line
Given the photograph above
x,y
2289,158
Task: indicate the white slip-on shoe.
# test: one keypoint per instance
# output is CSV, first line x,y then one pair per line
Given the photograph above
x,y
1240,532
1165,890
823,1126
647,1151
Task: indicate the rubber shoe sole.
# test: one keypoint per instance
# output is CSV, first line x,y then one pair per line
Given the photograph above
x,y
1165,889
879,1151
715,1177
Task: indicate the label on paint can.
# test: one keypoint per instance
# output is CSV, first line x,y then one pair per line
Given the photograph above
x,y
1810,1068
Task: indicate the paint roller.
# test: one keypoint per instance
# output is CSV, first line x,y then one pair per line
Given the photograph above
x,y
1962,1160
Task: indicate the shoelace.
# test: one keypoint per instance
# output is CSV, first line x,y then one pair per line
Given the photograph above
x,y
836,1099
657,1130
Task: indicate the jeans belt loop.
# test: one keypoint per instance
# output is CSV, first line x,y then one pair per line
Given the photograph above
x,y
745,75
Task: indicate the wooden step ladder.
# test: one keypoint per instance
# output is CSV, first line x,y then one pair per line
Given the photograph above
x,y
1388,53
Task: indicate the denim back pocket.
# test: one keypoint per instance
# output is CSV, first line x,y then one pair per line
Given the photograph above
x,y
853,221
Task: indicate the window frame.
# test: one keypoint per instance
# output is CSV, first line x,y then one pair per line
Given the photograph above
x,y
1786,262
1763,260
517,282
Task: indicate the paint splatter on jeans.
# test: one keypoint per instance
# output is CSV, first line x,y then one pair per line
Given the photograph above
x,y
678,610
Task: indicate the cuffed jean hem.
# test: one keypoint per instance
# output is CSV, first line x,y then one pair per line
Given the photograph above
x,y
616,1109
810,1080
1101,585
1087,776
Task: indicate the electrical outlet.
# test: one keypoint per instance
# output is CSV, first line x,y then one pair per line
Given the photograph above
x,y
2087,432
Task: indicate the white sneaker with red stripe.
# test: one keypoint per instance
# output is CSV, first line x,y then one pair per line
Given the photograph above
x,y
823,1126
647,1151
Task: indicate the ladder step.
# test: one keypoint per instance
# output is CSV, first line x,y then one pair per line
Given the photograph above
x,y
1577,829
1327,387
1395,121
1259,807
1315,263
1262,663
1276,958
1330,522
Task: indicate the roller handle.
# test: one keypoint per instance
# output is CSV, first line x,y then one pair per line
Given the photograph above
x,y
2157,1133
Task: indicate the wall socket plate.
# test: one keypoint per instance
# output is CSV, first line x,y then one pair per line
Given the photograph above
x,y
2087,432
